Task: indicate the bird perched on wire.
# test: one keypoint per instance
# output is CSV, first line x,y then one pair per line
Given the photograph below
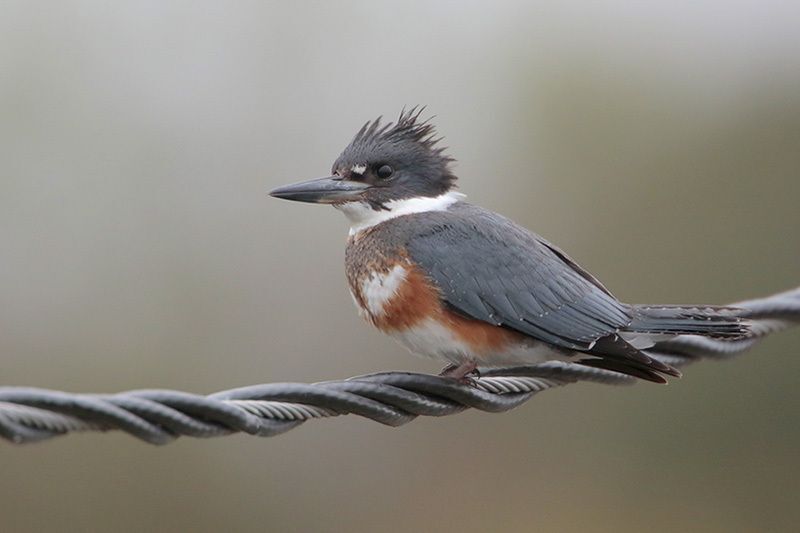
x,y
462,284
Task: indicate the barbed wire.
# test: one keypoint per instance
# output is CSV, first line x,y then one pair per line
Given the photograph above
x,y
391,398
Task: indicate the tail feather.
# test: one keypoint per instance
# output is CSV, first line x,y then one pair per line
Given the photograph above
x,y
631,369
616,354
708,321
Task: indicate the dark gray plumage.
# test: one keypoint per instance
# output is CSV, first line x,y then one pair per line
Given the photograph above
x,y
489,268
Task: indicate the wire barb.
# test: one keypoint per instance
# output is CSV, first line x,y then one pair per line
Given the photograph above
x,y
390,398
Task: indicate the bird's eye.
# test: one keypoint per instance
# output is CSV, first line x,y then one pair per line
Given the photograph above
x,y
384,171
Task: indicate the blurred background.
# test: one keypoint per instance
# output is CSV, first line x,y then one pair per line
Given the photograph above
x,y
659,144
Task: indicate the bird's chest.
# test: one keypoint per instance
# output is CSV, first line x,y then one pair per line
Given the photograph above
x,y
395,295
378,276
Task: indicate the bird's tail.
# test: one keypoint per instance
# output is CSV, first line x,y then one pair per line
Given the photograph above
x,y
709,321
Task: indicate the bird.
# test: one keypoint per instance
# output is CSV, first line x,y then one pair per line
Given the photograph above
x,y
469,287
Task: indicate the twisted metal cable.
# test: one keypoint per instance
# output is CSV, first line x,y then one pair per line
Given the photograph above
x,y
391,398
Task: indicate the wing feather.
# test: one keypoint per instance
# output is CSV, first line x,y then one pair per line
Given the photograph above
x,y
490,269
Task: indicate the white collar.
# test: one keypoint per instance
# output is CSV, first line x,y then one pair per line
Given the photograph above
x,y
363,216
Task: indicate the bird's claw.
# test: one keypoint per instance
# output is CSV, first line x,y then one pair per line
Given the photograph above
x,y
464,373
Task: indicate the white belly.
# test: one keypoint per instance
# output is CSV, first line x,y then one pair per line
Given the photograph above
x,y
432,339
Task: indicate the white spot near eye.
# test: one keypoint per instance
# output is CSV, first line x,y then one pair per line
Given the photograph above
x,y
358,169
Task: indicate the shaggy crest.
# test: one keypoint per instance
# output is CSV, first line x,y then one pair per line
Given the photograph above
x,y
409,127
410,147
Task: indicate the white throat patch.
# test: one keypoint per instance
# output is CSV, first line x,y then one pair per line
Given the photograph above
x,y
362,216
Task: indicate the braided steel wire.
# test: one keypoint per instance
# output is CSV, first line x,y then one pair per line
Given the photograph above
x,y
391,398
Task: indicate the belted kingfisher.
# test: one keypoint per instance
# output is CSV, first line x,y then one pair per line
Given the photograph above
x,y
462,284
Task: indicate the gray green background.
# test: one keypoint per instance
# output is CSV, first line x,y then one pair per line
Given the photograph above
x,y
658,143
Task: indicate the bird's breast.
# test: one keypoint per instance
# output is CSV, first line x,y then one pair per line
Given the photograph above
x,y
396,296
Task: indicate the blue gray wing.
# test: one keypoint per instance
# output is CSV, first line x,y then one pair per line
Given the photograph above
x,y
490,269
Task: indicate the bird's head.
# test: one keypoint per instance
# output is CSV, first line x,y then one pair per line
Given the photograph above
x,y
384,167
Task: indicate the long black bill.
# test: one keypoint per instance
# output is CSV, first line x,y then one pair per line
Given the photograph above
x,y
321,191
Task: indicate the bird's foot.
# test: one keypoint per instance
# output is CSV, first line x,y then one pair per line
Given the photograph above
x,y
465,373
